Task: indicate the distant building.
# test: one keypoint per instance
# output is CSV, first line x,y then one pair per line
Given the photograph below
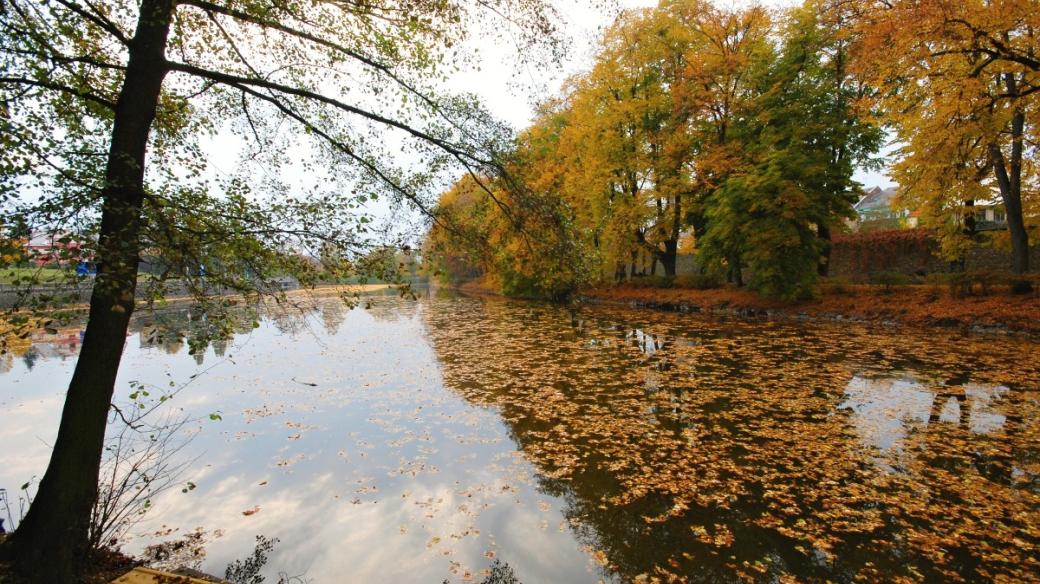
x,y
877,210
44,247
990,217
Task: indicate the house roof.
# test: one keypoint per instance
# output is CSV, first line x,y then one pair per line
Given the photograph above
x,y
876,198
50,240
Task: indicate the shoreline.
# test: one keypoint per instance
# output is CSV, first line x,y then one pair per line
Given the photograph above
x,y
918,306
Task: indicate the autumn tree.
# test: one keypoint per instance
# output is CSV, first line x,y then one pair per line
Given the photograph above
x,y
615,113
960,86
717,87
104,107
800,141
739,124
514,229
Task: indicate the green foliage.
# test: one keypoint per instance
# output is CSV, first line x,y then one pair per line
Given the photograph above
x,y
247,570
888,279
761,219
800,140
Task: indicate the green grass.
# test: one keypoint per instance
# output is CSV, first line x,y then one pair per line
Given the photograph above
x,y
38,275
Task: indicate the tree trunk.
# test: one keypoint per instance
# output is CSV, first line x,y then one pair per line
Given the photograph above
x,y
51,543
1009,178
1012,198
668,256
823,268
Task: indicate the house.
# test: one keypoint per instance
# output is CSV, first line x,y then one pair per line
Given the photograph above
x,y
990,217
48,247
878,209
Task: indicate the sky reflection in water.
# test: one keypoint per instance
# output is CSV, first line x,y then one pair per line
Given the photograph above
x,y
417,441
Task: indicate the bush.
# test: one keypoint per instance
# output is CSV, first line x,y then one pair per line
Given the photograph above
x,y
652,282
983,283
699,281
888,279
836,286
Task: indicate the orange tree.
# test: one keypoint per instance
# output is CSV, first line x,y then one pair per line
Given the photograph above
x,y
960,84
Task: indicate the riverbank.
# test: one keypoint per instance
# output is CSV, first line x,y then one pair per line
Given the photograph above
x,y
929,306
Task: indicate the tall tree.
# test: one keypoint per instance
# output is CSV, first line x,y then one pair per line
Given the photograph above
x,y
103,106
961,87
799,141
718,86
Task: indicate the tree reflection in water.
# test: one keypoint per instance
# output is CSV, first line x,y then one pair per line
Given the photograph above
x,y
718,449
721,449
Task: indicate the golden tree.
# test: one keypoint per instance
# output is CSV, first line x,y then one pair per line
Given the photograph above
x,y
959,82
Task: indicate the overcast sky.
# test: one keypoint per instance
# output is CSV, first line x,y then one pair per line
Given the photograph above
x,y
511,96
507,90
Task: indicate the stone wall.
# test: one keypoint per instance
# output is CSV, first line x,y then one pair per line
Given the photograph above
x,y
859,257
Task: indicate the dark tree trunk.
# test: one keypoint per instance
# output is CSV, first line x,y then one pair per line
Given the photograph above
x,y
671,245
51,543
668,256
1009,178
823,268
1011,194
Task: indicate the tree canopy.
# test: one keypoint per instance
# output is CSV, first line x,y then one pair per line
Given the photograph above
x,y
961,88
734,129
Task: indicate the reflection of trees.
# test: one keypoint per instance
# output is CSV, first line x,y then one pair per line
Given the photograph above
x,y
30,357
714,450
172,327
389,306
198,327
332,315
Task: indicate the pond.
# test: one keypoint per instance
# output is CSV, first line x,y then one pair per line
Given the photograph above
x,y
418,440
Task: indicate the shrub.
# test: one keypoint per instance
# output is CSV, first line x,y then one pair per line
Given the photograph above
x,y
699,281
652,282
888,279
837,286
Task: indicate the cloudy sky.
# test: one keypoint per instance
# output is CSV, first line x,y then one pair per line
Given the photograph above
x,y
508,90
511,94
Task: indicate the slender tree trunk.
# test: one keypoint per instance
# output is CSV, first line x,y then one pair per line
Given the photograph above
x,y
671,245
51,543
823,268
1008,172
970,224
1012,198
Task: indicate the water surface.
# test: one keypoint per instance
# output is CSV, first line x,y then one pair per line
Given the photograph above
x,y
418,440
